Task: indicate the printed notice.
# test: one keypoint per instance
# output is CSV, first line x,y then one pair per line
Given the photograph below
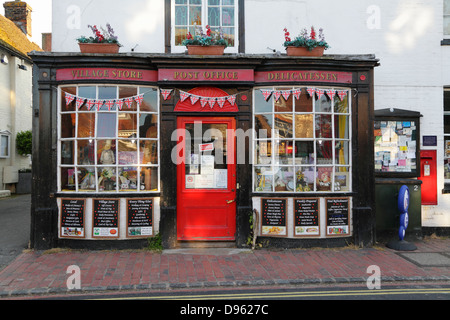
x,y
273,217
106,218
140,217
72,218
306,219
337,216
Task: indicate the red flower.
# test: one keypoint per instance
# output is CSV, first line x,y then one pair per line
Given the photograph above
x,y
286,35
189,36
208,31
313,33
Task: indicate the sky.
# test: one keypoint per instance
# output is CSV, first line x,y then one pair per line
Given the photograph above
x,y
41,18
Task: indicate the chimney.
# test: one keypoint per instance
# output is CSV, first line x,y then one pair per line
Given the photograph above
x,y
20,13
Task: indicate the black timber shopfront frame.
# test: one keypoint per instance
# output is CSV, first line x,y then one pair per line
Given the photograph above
x,y
44,209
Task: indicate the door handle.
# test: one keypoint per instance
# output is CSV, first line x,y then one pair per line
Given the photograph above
x,y
231,201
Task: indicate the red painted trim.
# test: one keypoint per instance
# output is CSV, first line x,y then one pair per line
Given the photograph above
x,y
190,75
303,76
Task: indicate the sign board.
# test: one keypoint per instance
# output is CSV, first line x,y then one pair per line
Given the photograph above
x,y
273,217
72,218
337,216
106,218
139,218
306,217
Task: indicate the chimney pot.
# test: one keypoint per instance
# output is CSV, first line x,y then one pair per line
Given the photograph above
x,y
19,12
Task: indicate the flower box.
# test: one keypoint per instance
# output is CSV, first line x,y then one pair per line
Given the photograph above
x,y
99,47
205,50
305,52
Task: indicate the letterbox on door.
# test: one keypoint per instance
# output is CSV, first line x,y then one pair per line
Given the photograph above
x,y
428,175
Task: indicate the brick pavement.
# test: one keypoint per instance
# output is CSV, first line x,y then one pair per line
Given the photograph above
x,y
45,272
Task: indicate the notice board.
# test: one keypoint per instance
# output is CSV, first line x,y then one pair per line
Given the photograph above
x,y
306,217
105,223
338,216
72,218
139,218
273,217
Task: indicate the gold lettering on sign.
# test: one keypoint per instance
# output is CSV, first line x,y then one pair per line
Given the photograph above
x,y
302,76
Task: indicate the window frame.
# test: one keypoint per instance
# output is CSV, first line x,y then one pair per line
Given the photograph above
x,y
445,15
315,165
6,134
204,6
95,139
445,136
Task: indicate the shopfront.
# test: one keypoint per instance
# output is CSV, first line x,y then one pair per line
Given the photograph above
x,y
188,148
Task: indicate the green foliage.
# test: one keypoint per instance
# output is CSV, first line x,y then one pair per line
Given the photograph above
x,y
308,41
211,38
155,243
24,142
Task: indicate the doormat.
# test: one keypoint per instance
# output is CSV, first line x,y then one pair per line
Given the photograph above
x,y
427,259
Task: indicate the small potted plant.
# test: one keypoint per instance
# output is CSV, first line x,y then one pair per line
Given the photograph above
x,y
311,45
104,41
205,44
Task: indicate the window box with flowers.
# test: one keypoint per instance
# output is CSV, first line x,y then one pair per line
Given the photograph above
x,y
106,42
306,45
205,44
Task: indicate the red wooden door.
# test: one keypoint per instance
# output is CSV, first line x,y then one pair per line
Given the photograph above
x,y
206,174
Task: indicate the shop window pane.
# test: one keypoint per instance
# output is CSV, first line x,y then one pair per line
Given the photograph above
x,y
195,15
324,152
324,177
148,125
214,16
128,152
106,125
263,126
228,2
150,102
86,152
71,106
107,93
228,16
304,179
305,103
284,179
283,105
284,152
263,179
228,34
180,35
4,146
342,152
447,25
323,126
304,126
128,92
447,157
128,179
283,125
261,105
148,152
180,15
127,125
107,179
446,123
341,106
106,152
86,125
87,92
323,104
263,152
341,126
68,179
181,1
86,179
68,125
67,152
342,179
149,179
213,2
304,152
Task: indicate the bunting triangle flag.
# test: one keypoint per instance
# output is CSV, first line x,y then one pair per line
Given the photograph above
x,y
297,93
221,101
311,91
276,95
212,102
79,102
194,99
286,94
330,93
342,94
203,101
128,102
166,93
98,104
69,98
89,103
320,93
139,99
232,99
184,96
266,93
119,104
110,104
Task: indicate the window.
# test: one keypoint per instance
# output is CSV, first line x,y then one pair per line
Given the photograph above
x,y
220,15
5,144
447,135
301,145
109,148
447,18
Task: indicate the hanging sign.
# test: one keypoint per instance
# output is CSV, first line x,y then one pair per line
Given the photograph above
x,y
273,217
72,218
337,216
139,218
106,218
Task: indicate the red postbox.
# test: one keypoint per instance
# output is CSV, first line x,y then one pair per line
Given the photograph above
x,y
428,175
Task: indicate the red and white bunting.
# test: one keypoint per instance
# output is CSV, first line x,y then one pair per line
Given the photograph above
x,y
232,99
212,102
139,99
342,94
276,95
69,98
184,96
203,101
194,99
90,103
266,93
79,102
166,93
297,93
286,94
128,102
119,104
330,93
110,104
311,91
98,104
320,93
221,101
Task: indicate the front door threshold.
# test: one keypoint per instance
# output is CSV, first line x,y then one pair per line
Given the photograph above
x,y
206,244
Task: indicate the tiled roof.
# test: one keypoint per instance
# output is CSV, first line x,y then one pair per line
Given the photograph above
x,y
12,38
